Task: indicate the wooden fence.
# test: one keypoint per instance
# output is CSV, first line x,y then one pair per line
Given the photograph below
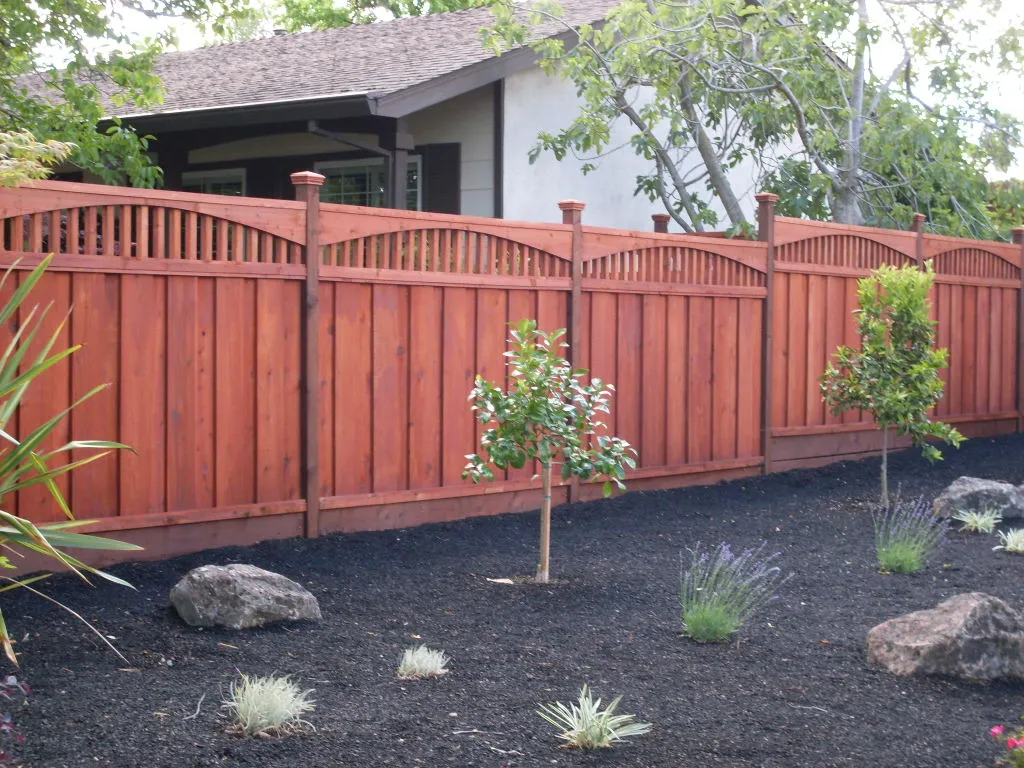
x,y
272,395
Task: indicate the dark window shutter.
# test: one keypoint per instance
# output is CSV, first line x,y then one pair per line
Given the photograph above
x,y
441,177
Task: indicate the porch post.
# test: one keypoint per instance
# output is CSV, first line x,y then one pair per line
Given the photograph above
x,y
307,190
398,142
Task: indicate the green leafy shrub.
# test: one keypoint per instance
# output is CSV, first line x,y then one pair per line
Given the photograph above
x,y
586,726
1014,743
421,662
894,375
550,415
907,535
268,707
24,463
721,590
1011,541
984,521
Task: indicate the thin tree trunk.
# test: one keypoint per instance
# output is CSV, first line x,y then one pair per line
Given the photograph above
x,y
847,207
545,526
885,468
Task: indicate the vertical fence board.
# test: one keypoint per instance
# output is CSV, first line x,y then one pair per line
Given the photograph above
x,y
457,422
95,325
628,380
143,391
353,388
748,375
425,375
603,331
235,370
182,396
677,346
796,405
206,397
390,387
723,378
654,384
699,384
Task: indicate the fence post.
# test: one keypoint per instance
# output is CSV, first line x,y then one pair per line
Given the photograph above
x,y
307,190
660,222
572,214
766,233
918,228
1018,239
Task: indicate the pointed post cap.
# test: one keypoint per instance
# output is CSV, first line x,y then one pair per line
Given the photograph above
x,y
766,197
660,222
302,178
1018,235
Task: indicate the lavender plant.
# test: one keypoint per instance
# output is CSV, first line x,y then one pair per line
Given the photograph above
x,y
907,535
721,590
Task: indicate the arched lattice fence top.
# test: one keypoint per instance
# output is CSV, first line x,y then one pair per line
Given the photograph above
x,y
673,264
974,262
140,231
848,251
443,250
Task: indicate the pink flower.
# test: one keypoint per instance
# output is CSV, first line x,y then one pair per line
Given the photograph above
x,y
997,731
1013,743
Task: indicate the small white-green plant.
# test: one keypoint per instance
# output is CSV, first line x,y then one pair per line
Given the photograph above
x,y
1012,541
420,662
267,707
586,726
907,535
984,521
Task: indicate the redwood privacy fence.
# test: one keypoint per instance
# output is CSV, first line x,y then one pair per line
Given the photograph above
x,y
273,395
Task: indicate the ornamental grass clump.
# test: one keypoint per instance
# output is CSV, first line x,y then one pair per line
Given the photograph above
x,y
586,726
422,662
1011,541
721,590
907,535
268,707
984,521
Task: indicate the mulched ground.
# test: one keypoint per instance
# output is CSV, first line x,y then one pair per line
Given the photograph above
x,y
795,690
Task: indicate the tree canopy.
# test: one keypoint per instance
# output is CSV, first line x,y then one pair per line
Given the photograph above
x,y
855,111
64,62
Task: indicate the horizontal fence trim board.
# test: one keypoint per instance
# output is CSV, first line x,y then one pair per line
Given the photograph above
x,y
457,279
599,285
789,230
184,517
120,265
718,465
981,282
866,426
828,270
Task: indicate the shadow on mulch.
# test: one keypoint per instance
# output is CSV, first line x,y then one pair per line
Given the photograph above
x,y
793,691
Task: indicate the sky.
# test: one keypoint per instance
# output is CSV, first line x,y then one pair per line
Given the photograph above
x,y
1006,90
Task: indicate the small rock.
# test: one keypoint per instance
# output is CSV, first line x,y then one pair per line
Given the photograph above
x,y
972,636
240,597
975,494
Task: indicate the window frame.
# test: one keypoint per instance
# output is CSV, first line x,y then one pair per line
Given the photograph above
x,y
215,174
413,160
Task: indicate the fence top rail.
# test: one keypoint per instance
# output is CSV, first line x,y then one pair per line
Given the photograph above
x,y
69,193
790,230
936,245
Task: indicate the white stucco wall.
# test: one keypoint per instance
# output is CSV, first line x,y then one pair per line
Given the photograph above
x,y
536,102
469,121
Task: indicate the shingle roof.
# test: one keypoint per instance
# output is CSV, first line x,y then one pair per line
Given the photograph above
x,y
378,58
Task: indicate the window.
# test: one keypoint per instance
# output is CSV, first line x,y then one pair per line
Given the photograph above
x,y
364,182
227,181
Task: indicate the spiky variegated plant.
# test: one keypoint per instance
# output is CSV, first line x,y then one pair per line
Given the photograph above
x,y
25,463
548,414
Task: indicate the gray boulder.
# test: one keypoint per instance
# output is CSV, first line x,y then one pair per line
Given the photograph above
x,y
240,597
972,636
976,494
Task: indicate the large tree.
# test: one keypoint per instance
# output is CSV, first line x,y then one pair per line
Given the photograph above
x,y
857,110
64,63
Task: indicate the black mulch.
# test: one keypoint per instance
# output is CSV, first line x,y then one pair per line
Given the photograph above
x,y
794,690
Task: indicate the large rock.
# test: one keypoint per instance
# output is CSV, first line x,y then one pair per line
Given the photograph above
x,y
975,494
973,636
239,597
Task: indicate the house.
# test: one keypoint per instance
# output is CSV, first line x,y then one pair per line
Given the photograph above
x,y
413,113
